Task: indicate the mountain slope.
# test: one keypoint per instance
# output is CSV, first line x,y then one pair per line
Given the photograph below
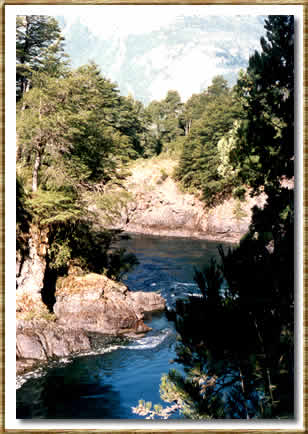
x,y
183,55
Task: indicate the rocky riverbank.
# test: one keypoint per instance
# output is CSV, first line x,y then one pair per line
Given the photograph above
x,y
88,307
156,205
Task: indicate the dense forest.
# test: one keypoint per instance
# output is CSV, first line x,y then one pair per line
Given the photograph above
x,y
76,138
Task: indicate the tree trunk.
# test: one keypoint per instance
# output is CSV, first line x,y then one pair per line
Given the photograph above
x,y
18,149
25,88
25,83
244,393
36,168
187,127
38,156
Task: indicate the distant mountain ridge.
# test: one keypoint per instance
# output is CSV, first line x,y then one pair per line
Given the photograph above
x,y
184,55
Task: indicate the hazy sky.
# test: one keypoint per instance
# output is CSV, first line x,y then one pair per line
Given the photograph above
x,y
148,50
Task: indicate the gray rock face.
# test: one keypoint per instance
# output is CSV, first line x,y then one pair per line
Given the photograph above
x,y
186,216
162,208
97,304
41,340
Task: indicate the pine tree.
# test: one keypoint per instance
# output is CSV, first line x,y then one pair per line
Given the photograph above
x,y
265,147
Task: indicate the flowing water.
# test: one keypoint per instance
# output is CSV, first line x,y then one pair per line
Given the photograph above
x,y
109,382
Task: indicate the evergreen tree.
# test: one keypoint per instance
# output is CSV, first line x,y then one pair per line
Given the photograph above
x,y
78,126
193,109
37,37
264,148
167,120
236,345
199,162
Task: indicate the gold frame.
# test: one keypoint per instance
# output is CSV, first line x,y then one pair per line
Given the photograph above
x,y
304,278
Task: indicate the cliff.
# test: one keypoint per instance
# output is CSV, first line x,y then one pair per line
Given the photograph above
x,y
158,206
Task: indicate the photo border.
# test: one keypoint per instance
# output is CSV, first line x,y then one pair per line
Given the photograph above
x,y
303,279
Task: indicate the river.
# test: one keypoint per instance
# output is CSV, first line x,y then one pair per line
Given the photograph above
x,y
106,384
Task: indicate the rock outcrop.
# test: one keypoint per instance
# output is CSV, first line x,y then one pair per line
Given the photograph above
x,y
86,306
30,270
158,207
38,341
41,340
97,304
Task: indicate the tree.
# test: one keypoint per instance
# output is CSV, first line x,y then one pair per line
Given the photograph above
x,y
199,162
79,127
264,151
236,343
37,36
218,87
133,123
167,121
40,127
193,109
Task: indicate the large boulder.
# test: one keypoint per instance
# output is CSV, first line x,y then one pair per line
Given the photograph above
x,y
95,303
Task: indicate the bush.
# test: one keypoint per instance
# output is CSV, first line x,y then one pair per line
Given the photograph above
x,y
163,177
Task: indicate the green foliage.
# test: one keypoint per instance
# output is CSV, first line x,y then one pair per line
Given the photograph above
x,y
241,366
174,149
246,137
238,212
79,123
225,146
200,160
49,207
166,118
76,134
163,177
82,243
111,203
237,345
120,263
39,47
60,255
239,192
23,217
209,282
264,148
145,409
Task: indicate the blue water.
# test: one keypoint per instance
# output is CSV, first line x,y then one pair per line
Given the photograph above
x,y
108,383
